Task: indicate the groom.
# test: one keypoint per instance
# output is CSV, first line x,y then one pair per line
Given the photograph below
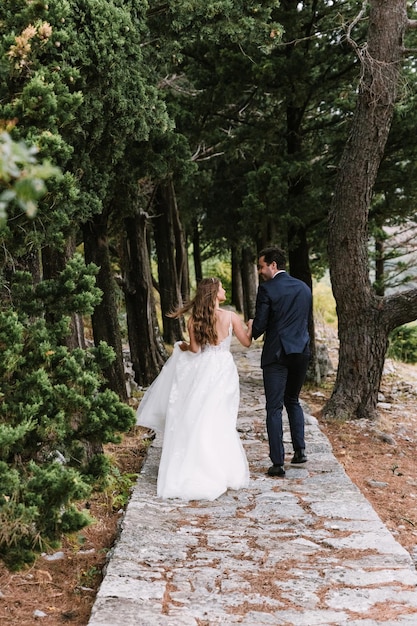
x,y
283,307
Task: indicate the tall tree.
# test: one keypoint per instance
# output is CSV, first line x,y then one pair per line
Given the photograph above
x,y
147,352
105,316
166,215
365,319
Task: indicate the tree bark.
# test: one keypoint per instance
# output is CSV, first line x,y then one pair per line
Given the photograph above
x,y
169,288
31,262
181,253
198,266
147,351
237,289
249,283
379,267
299,266
364,318
105,317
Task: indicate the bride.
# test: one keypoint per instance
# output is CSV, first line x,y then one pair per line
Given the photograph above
x,y
194,401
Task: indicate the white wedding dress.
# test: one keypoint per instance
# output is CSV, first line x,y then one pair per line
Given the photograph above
x,y
194,401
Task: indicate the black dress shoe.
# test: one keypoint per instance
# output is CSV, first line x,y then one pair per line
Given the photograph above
x,y
299,457
276,470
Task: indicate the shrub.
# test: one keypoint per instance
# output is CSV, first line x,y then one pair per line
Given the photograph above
x,y
55,415
403,344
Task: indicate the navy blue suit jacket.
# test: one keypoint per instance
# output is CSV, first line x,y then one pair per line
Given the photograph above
x,y
283,307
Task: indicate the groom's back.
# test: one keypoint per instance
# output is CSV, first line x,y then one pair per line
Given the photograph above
x,y
290,300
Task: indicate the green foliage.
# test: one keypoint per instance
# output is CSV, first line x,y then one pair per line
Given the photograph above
x,y
78,80
117,488
74,290
53,402
262,92
215,266
89,577
403,344
21,176
215,21
54,410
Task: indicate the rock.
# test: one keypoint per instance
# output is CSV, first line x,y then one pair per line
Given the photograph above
x,y
54,557
389,367
385,437
376,484
325,364
91,551
384,405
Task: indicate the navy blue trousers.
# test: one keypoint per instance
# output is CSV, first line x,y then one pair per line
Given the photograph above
x,y
282,383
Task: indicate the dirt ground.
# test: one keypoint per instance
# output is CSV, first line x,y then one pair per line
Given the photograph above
x,y
378,456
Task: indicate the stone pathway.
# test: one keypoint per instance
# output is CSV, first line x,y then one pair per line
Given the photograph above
x,y
300,551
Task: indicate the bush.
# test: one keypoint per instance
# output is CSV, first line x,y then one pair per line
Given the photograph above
x,y
55,416
403,344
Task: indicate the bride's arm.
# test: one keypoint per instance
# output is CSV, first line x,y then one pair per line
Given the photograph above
x,y
244,335
193,346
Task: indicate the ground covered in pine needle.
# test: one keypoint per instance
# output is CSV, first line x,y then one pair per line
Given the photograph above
x,y
379,457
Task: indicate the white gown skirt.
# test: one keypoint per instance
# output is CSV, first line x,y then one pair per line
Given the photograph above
x,y
194,401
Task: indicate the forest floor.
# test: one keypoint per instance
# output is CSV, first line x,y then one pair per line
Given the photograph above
x,y
379,456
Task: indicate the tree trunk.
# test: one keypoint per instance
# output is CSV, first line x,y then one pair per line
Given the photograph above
x,y
181,253
169,289
237,289
298,257
105,317
31,262
364,320
198,266
379,267
249,283
299,266
147,351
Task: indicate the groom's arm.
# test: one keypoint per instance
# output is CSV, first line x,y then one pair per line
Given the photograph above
x,y
261,318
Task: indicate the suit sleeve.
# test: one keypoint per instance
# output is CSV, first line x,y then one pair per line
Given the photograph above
x,y
262,312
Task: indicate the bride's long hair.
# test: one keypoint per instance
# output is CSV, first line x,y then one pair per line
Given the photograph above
x,y
202,307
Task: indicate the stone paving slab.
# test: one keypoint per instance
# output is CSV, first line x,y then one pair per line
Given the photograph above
x,y
304,550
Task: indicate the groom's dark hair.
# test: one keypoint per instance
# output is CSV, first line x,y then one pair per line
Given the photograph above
x,y
274,254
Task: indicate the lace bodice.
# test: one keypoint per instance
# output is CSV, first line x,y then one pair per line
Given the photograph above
x,y
222,346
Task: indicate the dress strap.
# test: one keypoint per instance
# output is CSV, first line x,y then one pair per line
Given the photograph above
x,y
230,324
